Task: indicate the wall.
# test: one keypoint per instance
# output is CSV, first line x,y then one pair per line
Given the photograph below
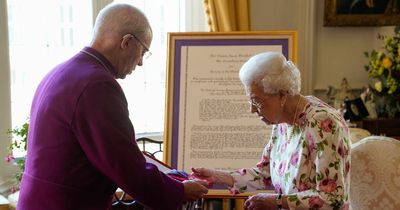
x,y
340,53
325,54
287,15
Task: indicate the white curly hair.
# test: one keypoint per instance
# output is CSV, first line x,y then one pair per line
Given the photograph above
x,y
271,71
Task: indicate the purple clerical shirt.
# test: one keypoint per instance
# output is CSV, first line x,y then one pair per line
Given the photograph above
x,y
81,144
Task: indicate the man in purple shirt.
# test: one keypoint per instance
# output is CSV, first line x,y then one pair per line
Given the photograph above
x,y
81,143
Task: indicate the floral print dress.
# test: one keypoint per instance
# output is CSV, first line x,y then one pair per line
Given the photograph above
x,y
309,162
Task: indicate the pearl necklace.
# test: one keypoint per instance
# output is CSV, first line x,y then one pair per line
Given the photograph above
x,y
294,126
295,112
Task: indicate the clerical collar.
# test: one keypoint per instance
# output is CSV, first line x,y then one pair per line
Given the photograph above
x,y
100,59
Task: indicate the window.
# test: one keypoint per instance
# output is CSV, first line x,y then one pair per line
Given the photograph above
x,y
145,88
44,33
147,110
40,37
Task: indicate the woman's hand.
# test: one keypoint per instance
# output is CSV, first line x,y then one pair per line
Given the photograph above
x,y
261,201
212,176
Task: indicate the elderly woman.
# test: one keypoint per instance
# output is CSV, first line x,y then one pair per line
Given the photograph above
x,y
307,159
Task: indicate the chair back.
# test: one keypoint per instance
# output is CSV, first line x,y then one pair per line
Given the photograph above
x,y
151,146
356,134
375,174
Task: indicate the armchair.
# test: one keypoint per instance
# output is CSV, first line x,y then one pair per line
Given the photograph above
x,y
375,173
356,134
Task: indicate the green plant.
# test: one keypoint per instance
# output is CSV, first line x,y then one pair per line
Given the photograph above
x,y
384,69
19,137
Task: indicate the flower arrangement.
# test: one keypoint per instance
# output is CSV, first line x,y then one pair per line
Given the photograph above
x,y
18,143
384,69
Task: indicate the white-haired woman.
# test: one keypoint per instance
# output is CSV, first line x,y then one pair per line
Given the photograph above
x,y
307,159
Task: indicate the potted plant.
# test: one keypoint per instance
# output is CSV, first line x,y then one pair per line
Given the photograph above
x,y
384,68
18,146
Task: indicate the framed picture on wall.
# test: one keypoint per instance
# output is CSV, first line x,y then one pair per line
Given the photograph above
x,y
208,122
361,12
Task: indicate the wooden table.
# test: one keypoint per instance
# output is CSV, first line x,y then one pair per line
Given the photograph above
x,y
382,126
225,196
4,203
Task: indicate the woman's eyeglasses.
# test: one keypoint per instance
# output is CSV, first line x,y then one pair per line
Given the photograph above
x,y
256,104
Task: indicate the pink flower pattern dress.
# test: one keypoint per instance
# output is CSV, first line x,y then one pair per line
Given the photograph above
x,y
309,162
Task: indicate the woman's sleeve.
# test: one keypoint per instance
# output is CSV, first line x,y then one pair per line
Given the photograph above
x,y
256,178
326,138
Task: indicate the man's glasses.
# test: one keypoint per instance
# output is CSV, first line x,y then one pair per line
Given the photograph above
x,y
145,54
256,104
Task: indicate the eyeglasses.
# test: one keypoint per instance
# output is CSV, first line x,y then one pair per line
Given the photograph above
x,y
146,54
257,104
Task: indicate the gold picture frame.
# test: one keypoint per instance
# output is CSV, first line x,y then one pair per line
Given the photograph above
x,y
361,13
205,101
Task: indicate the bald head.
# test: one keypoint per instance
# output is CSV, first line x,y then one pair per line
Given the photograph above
x,y
116,20
122,34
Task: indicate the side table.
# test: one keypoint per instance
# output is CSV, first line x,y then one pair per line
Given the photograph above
x,y
382,126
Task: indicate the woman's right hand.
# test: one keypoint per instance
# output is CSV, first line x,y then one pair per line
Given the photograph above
x,y
212,176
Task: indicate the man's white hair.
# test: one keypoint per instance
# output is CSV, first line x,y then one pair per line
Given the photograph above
x,y
121,19
271,71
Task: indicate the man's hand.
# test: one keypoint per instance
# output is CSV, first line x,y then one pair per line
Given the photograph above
x,y
212,176
194,190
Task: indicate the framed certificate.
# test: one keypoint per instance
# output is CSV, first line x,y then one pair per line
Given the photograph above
x,y
208,122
